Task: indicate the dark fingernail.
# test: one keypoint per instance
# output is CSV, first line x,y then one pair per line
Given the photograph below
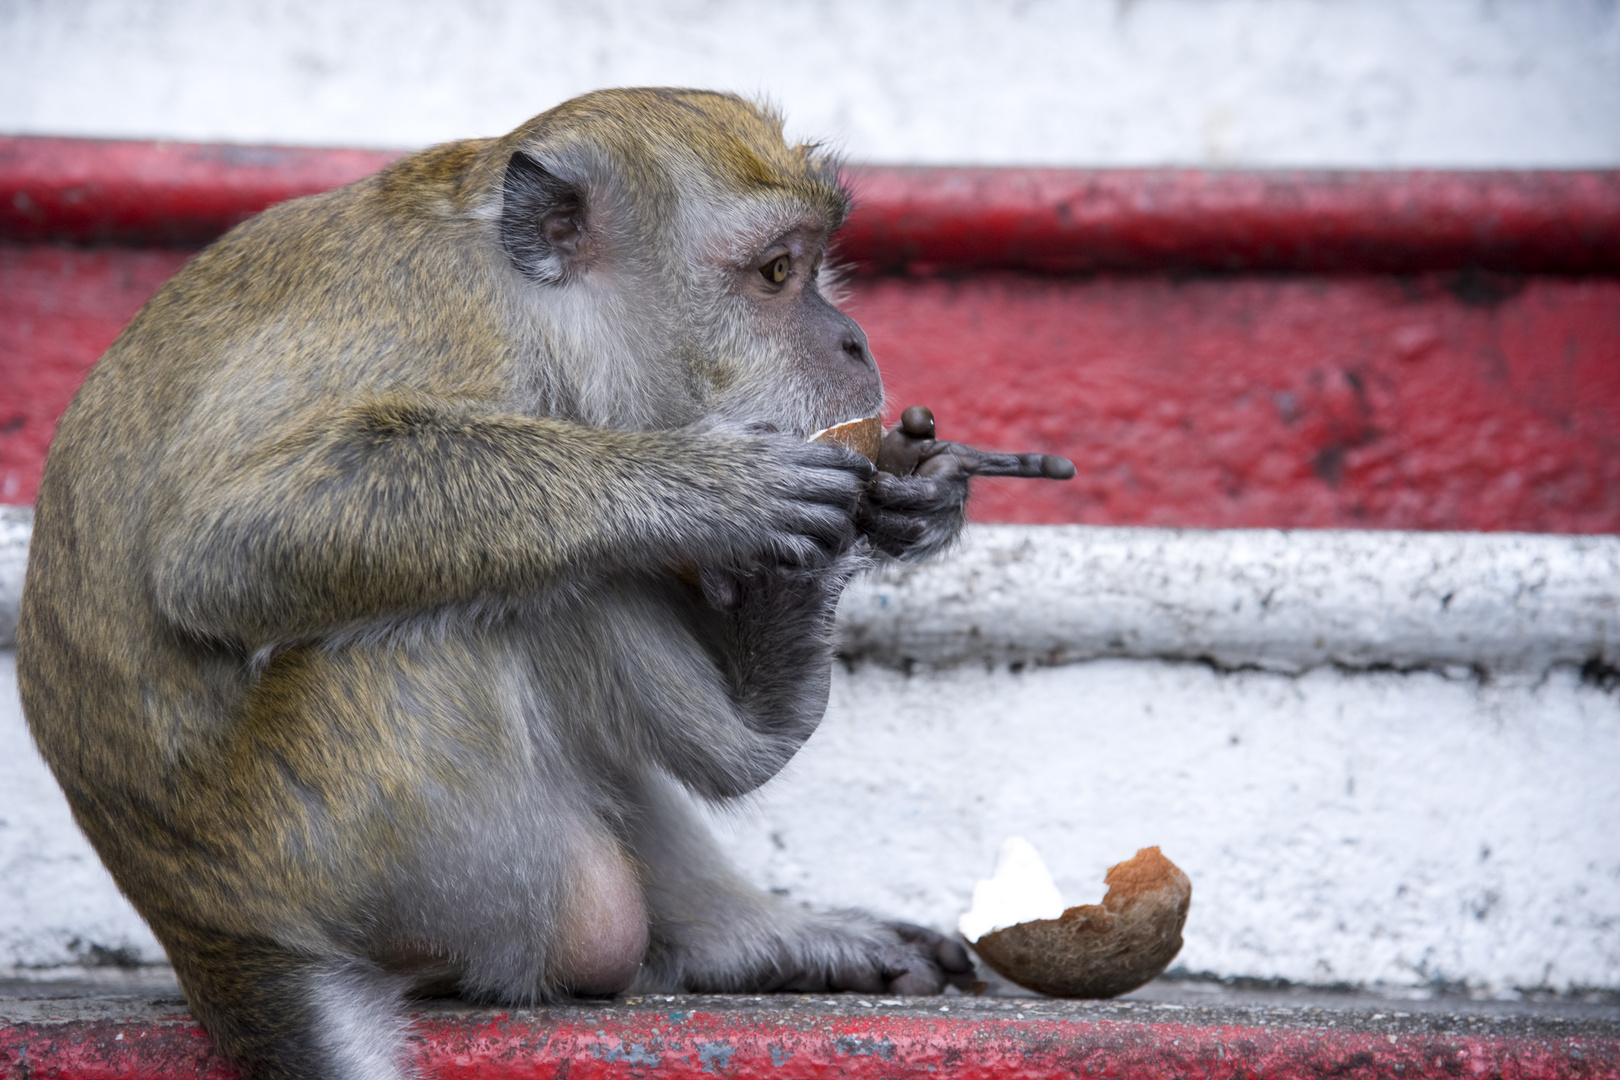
x,y
1057,468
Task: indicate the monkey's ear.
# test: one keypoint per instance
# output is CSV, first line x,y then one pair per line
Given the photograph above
x,y
543,221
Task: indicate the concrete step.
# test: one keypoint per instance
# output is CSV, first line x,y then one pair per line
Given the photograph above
x,y
1384,759
135,1024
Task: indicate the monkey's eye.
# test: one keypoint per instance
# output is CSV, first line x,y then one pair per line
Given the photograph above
x,y
776,271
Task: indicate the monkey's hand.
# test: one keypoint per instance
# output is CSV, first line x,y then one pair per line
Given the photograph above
x,y
795,502
913,517
917,503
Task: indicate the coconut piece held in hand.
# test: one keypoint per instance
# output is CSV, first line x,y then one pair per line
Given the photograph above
x,y
910,447
1018,926
863,436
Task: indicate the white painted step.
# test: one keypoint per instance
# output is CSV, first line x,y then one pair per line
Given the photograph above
x,y
1375,754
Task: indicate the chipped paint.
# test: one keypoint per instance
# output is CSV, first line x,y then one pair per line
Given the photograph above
x,y
738,1042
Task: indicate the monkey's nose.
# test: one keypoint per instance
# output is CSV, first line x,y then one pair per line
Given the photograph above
x,y
856,350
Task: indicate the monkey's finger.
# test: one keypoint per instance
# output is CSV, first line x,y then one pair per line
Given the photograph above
x,y
978,462
818,492
809,552
908,516
951,956
910,973
830,526
898,454
822,492
918,422
859,975
1044,466
946,489
913,983
886,521
802,982
833,456
894,534
903,444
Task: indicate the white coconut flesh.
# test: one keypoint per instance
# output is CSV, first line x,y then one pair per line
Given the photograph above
x,y
1019,891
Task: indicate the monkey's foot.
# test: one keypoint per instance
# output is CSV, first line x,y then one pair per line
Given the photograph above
x,y
891,958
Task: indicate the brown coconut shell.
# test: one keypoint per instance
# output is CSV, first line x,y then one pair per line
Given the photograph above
x,y
864,436
1100,950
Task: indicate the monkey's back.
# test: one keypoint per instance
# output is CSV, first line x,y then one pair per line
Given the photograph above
x,y
263,337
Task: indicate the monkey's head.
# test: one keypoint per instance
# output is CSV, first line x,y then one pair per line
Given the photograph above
x,y
665,249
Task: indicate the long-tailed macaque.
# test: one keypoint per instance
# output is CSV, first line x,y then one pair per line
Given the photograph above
x,y
423,547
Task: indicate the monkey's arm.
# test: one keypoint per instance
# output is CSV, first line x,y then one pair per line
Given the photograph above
x,y
405,505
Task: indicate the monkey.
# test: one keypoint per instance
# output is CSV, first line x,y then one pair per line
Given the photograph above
x,y
426,551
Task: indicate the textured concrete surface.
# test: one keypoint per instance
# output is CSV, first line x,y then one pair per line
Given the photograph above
x,y
58,905
1361,828
1103,82
151,993
792,1036
1507,605
1501,603
1406,802
16,524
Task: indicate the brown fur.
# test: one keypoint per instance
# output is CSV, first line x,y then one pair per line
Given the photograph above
x,y
353,628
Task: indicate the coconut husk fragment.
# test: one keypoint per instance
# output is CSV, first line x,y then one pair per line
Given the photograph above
x,y
864,436
1100,950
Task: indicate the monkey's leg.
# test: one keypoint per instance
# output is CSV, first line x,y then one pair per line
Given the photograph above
x,y
277,1014
719,699
712,932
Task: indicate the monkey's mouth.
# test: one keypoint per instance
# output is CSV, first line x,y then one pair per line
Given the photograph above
x,y
864,436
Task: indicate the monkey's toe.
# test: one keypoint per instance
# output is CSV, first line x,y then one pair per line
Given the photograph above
x,y
917,983
952,956
947,961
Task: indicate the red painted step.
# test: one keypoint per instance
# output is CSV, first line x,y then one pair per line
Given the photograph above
x,y
1294,349
793,1039
1355,401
